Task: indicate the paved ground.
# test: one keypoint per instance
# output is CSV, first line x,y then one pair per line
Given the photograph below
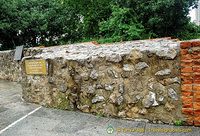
x,y
18,118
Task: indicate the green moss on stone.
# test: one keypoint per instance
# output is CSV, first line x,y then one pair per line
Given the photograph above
x,y
65,103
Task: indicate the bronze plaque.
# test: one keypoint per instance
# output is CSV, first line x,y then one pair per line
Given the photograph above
x,y
36,67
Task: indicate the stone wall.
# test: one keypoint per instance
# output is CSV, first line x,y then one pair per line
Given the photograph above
x,y
138,80
11,69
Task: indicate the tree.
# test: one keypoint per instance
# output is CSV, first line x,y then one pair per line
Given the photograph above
x,y
160,17
122,25
91,12
35,22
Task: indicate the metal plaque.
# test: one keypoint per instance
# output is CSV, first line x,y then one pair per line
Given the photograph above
x,y
36,67
18,52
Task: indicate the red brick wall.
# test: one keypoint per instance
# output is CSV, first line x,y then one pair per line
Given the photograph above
x,y
190,75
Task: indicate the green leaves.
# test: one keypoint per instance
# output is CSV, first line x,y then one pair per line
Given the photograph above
x,y
51,22
122,25
178,123
39,22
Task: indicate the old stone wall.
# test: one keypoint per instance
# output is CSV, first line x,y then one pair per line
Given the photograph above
x,y
11,69
138,80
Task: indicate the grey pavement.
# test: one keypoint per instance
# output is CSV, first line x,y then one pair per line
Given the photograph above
x,y
52,122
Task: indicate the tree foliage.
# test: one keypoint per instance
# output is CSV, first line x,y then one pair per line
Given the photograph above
x,y
51,22
160,17
91,12
34,22
122,25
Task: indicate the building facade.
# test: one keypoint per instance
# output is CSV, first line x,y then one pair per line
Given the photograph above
x,y
197,14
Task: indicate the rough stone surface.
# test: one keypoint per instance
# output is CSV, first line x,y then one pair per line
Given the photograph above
x,y
120,100
91,89
98,99
172,94
127,67
168,54
108,87
169,106
141,65
109,78
94,74
169,81
121,88
114,58
150,100
163,72
63,88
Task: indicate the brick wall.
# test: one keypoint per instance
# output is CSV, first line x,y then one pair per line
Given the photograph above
x,y
190,75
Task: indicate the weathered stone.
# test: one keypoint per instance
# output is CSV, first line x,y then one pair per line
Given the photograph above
x,y
90,66
99,86
91,89
155,120
169,81
143,111
138,97
172,94
131,115
127,68
151,80
98,98
160,92
63,88
85,69
74,95
36,90
114,58
108,87
138,85
121,88
163,72
77,78
169,106
85,108
84,76
112,73
134,109
113,98
149,54
71,105
129,99
151,86
52,80
167,53
115,74
135,54
161,98
141,65
94,75
110,110
120,100
122,114
159,88
150,100
72,99
160,122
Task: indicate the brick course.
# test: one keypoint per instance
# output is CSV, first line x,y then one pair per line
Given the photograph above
x,y
190,87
